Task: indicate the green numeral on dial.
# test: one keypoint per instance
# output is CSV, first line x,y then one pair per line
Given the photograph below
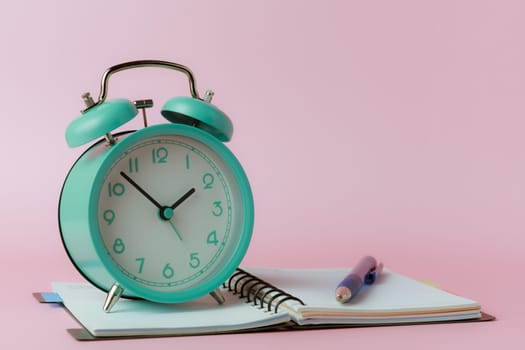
x,y
159,155
141,263
168,271
118,246
207,180
194,260
116,189
212,238
109,216
217,208
133,165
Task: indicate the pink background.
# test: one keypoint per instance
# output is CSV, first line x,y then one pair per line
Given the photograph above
x,y
393,128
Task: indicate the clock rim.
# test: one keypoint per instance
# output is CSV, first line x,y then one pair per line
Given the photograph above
x,y
233,260
83,272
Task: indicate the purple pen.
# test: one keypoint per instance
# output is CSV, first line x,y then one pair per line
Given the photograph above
x,y
365,271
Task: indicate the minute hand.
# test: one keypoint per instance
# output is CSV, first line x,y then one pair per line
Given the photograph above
x,y
141,190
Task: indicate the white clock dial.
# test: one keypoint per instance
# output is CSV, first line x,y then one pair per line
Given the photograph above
x,y
169,212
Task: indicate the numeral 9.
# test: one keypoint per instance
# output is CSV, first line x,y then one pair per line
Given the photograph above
x,y
109,216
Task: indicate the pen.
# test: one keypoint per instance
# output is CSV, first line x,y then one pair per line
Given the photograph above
x,y
366,271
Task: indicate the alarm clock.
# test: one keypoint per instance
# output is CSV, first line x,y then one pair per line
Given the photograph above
x,y
164,213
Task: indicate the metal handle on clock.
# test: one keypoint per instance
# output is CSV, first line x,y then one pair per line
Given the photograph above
x,y
140,64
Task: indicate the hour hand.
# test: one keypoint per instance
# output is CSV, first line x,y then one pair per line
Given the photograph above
x,y
141,190
183,198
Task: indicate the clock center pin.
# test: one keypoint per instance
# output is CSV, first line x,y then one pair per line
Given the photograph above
x,y
166,213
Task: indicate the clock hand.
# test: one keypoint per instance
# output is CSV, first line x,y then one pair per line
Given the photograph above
x,y
175,229
166,213
183,198
141,190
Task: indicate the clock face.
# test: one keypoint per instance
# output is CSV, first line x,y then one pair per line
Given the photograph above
x,y
170,213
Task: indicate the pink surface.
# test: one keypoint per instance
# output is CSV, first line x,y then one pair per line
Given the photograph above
x,y
392,128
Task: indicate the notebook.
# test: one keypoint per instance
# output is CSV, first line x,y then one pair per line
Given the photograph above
x,y
270,298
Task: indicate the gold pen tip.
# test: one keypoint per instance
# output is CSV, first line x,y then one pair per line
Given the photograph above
x,y
343,294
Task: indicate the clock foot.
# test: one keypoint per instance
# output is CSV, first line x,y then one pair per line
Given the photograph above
x,y
217,295
113,296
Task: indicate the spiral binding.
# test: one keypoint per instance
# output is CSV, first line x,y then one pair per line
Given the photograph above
x,y
247,285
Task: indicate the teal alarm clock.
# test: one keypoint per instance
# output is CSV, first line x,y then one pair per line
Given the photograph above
x,y
164,213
